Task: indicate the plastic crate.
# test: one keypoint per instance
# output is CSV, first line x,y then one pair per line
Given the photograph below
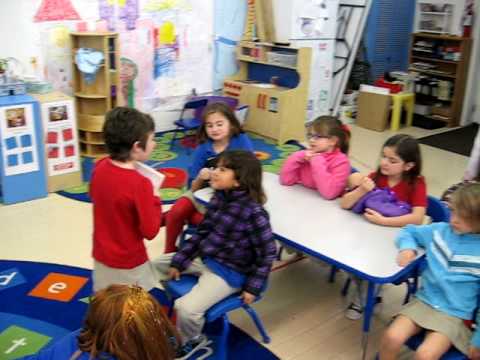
x,y
282,58
18,88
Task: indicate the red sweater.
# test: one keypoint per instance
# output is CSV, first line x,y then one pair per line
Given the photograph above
x,y
125,211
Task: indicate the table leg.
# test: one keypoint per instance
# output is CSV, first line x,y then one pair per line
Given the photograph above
x,y
396,113
367,316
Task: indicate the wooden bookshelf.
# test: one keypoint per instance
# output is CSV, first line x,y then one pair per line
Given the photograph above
x,y
94,99
448,58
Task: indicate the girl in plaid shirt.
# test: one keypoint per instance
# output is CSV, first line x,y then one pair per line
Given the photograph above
x,y
233,248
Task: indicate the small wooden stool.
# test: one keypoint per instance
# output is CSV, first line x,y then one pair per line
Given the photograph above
x,y
399,100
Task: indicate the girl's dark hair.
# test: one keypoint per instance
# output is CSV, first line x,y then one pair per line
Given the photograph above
x,y
223,109
407,149
331,126
123,127
128,323
248,172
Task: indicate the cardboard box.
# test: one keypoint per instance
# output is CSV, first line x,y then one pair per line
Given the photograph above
x,y
373,110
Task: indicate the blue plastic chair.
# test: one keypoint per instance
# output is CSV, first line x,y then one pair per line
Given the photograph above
x,y
178,288
189,124
452,354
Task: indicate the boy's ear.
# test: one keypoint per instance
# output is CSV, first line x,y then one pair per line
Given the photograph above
x,y
408,166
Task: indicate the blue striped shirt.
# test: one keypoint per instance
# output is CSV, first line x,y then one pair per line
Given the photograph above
x,y
451,280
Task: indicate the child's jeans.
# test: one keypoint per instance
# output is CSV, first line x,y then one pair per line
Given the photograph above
x,y
191,307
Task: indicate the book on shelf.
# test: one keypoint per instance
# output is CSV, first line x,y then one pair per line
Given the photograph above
x,y
155,177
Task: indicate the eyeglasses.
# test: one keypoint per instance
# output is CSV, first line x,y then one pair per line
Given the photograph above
x,y
316,136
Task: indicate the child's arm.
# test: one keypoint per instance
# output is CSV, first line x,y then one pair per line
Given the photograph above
x,y
330,181
363,185
410,238
290,172
262,239
149,208
200,157
414,218
245,143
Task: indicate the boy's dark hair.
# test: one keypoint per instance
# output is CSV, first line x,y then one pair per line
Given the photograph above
x,y
407,149
331,126
223,109
248,172
466,202
122,128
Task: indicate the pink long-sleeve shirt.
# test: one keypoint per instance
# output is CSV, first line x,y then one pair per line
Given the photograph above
x,y
326,172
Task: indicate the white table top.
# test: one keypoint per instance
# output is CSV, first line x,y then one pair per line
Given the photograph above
x,y
321,228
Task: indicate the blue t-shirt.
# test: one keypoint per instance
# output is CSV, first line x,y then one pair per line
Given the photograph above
x,y
205,152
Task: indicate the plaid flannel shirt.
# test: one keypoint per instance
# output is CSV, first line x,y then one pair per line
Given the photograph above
x,y
235,232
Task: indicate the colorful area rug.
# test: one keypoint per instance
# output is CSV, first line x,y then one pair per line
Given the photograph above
x,y
40,303
176,161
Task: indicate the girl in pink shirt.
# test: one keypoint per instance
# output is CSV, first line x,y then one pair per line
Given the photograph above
x,y
324,165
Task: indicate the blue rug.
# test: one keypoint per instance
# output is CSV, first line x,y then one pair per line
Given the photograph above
x,y
40,303
271,155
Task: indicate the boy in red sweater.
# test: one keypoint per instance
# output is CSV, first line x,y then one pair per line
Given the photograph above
x,y
125,206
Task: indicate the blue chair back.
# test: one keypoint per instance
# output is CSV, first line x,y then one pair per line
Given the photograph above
x,y
194,104
437,210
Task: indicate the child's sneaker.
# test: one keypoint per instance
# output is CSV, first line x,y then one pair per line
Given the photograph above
x,y
191,346
354,311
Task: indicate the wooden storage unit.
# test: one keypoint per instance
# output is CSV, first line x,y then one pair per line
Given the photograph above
x,y
446,59
95,99
275,86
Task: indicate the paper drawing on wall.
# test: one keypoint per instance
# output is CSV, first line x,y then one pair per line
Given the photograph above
x,y
128,73
127,10
166,50
57,55
161,5
56,10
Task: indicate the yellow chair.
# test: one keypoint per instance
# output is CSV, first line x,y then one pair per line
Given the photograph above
x,y
399,101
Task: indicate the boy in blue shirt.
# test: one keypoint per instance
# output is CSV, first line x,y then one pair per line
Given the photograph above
x,y
450,283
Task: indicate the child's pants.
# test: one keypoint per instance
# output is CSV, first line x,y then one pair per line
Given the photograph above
x,y
181,213
191,307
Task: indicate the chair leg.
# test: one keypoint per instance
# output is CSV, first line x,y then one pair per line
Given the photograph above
x,y
333,272
173,137
221,352
346,286
265,338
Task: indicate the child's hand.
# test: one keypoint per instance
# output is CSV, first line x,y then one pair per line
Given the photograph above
x,y
405,257
247,297
374,216
367,184
474,353
173,274
309,154
204,174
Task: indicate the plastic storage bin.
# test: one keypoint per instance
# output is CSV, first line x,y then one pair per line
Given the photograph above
x,y
282,58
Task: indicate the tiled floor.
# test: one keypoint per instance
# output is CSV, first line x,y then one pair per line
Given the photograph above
x,y
302,311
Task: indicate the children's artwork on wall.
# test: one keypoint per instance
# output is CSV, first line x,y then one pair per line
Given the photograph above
x,y
18,139
57,56
127,10
56,10
162,5
128,73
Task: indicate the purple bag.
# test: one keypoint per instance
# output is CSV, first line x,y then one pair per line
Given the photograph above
x,y
384,201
